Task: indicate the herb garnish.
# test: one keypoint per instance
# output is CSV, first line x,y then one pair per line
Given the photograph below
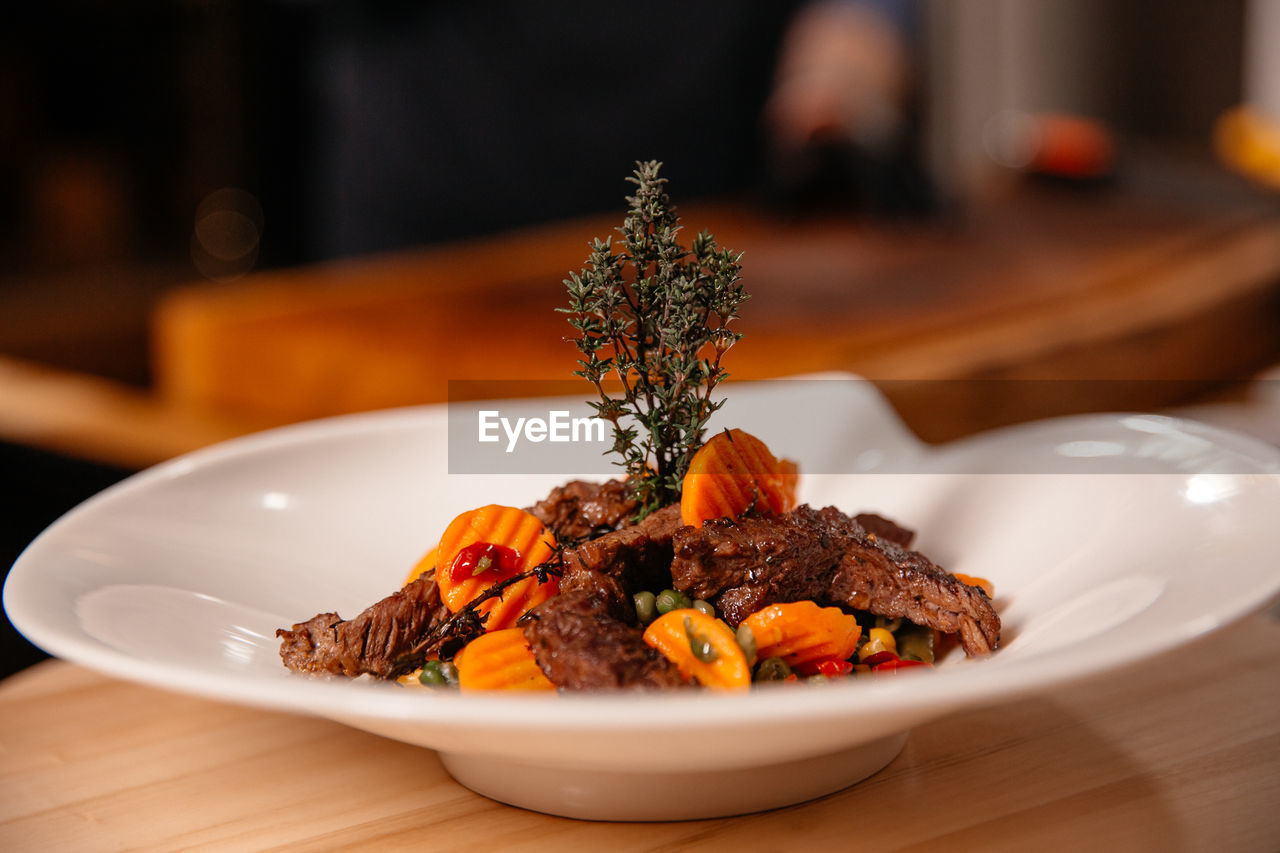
x,y
654,317
460,628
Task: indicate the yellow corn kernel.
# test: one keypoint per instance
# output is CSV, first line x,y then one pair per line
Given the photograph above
x,y
885,636
878,640
411,679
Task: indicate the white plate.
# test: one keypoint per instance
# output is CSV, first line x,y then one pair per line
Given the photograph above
x,y
1109,539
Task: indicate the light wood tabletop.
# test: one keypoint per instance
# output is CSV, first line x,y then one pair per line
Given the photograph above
x,y
1181,752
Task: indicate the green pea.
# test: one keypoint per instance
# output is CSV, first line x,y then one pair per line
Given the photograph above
x,y
668,600
747,640
699,644
431,675
450,673
772,669
705,607
646,607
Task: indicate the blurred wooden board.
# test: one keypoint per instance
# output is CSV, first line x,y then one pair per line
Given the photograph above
x,y
1179,753
1042,284
89,417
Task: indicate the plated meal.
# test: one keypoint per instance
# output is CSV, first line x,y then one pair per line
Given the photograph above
x,y
1098,530
697,568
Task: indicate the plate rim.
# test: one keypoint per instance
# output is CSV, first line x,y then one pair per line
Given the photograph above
x,y
946,689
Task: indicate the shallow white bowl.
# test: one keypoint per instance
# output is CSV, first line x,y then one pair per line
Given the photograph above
x,y
1109,539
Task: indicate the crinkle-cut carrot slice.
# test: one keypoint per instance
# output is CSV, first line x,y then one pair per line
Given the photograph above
x,y
800,632
732,473
982,583
508,528
703,647
500,660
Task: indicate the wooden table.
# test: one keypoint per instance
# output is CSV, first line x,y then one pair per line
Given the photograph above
x,y
1178,753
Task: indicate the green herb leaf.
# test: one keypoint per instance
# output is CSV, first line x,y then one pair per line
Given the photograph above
x,y
653,317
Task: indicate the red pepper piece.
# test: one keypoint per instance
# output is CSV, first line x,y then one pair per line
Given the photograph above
x,y
891,666
480,558
829,666
879,658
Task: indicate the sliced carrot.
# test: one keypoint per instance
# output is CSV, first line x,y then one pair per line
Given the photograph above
x,y
500,660
801,631
426,564
732,473
704,648
508,528
972,580
790,470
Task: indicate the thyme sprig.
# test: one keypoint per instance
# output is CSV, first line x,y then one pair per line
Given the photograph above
x,y
653,317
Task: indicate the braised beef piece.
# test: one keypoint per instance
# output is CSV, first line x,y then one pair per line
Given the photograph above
x,y
893,582
883,528
581,646
369,643
606,589
579,510
824,555
741,565
637,557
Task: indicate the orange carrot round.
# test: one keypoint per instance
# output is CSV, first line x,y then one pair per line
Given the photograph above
x,y
732,473
500,660
703,647
800,632
484,546
982,583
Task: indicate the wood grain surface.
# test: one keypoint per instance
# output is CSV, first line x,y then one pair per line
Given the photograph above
x,y
1178,753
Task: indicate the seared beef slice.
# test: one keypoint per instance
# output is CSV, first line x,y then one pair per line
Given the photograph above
x,y
637,557
826,556
369,643
579,510
580,645
883,528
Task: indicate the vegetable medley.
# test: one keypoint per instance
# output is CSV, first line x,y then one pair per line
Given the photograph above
x,y
732,475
